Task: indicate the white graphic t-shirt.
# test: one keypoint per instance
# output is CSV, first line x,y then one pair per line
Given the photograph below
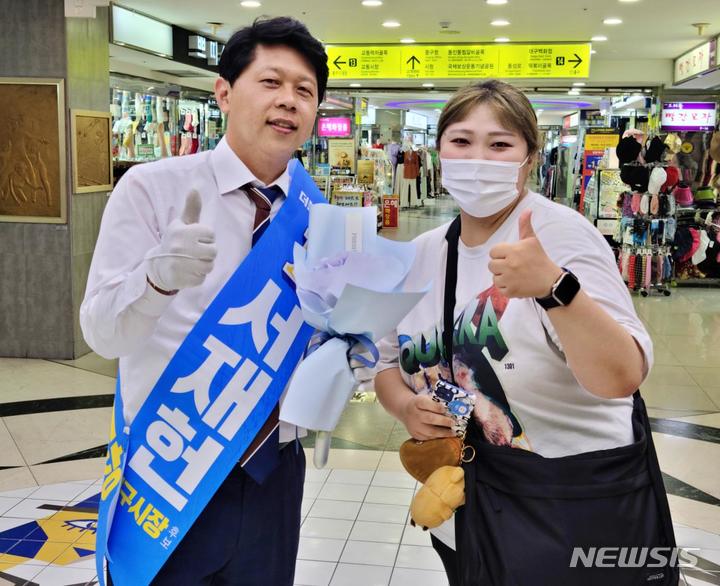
x,y
506,351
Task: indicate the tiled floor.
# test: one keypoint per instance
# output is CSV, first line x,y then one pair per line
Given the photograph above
x,y
355,530
54,417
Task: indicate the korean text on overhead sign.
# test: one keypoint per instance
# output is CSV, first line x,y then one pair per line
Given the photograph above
x,y
334,127
694,62
561,60
679,116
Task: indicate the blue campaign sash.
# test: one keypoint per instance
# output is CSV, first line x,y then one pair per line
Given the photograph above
x,y
209,403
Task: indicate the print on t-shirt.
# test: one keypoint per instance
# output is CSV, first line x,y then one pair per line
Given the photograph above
x,y
476,339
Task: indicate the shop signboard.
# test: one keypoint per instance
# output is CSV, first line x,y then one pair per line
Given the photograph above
x,y
130,28
334,127
596,141
688,116
694,62
347,199
391,205
539,61
341,154
413,120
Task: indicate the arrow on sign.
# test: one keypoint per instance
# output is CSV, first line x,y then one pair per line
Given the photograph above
x,y
412,61
577,61
337,63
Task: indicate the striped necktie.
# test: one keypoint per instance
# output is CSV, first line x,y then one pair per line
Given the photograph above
x,y
263,198
263,454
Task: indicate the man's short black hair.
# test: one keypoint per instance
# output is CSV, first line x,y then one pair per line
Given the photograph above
x,y
239,51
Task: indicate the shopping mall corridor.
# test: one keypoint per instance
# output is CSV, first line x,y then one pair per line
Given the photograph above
x,y
355,530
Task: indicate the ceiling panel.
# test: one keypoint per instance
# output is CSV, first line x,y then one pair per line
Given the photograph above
x,y
651,29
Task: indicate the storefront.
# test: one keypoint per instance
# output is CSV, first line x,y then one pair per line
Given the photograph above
x,y
155,120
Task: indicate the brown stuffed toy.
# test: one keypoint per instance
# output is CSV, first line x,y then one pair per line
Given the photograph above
x,y
435,463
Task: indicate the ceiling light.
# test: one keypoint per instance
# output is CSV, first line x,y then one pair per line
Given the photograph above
x,y
574,93
407,41
502,40
391,24
612,21
428,85
372,3
592,51
647,91
355,85
599,38
496,2
500,22
628,1
250,4
578,83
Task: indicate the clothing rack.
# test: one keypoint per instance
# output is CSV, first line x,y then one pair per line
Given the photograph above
x,y
646,232
697,247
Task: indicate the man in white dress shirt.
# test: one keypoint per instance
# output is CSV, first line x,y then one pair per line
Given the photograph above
x,y
172,234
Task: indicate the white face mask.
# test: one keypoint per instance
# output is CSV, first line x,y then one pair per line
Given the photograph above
x,y
481,188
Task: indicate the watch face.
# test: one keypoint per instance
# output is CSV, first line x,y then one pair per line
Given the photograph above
x,y
567,288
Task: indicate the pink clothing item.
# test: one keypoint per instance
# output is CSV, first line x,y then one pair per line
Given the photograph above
x,y
683,196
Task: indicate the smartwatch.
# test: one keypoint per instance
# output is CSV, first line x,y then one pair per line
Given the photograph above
x,y
562,292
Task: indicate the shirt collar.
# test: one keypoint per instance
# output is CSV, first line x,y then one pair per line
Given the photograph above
x,y
231,173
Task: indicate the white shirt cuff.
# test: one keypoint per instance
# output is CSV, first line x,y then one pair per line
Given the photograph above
x,y
145,299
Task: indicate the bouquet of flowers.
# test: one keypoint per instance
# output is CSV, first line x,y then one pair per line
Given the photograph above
x,y
350,286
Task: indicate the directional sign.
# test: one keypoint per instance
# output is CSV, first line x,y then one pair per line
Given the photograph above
x,y
460,61
412,61
545,61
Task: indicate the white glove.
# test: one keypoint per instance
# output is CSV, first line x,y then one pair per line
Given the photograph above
x,y
186,252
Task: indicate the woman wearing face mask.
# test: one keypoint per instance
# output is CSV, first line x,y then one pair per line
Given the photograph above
x,y
549,343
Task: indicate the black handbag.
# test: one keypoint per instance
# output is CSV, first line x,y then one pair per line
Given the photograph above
x,y
597,518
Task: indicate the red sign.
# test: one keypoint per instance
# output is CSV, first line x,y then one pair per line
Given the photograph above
x,y
391,205
334,127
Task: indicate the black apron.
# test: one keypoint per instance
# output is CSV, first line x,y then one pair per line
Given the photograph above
x,y
535,521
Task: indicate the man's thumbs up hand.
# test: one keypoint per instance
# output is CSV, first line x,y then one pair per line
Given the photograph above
x,y
193,207
186,253
522,268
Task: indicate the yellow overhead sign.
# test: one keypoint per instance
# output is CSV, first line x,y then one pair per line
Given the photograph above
x,y
459,61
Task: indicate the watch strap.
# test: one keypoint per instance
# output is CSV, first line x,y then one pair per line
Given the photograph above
x,y
159,290
551,301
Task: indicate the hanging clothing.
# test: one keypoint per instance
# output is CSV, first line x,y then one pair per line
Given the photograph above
x,y
412,164
392,150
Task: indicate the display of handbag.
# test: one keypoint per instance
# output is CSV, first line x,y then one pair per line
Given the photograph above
x,y
535,521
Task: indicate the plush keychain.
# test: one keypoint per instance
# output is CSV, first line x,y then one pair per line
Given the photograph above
x,y
437,464
436,501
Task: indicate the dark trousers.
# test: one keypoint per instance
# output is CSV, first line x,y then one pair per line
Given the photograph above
x,y
449,559
247,535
